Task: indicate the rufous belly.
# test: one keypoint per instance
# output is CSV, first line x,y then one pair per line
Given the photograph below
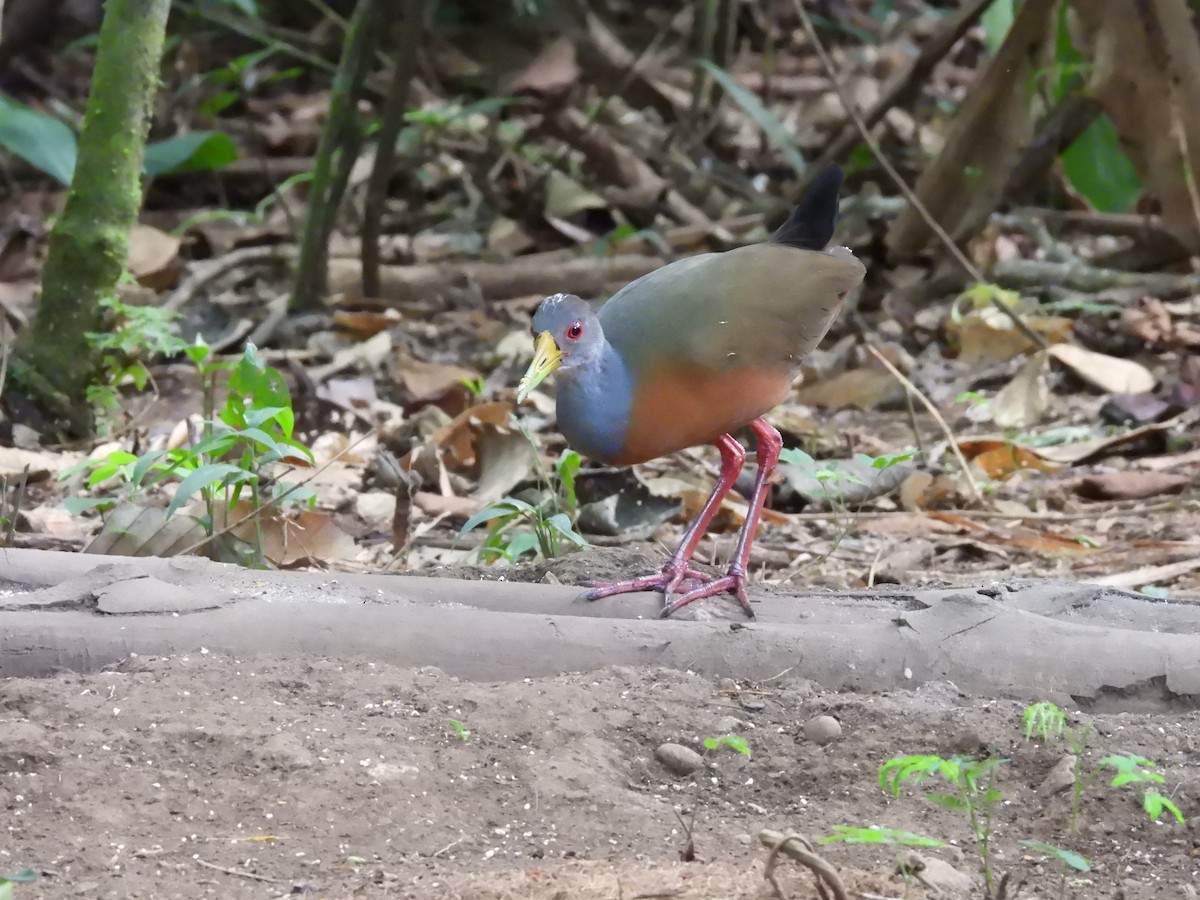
x,y
685,407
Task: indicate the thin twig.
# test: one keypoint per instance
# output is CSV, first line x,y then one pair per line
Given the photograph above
x,y
852,110
238,872
937,417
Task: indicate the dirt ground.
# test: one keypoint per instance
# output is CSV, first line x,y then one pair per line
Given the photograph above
x,y
208,776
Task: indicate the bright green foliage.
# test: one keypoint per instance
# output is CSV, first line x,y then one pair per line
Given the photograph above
x,y
7,881
517,527
1045,721
48,144
460,730
971,792
891,837
1068,858
242,441
134,333
729,741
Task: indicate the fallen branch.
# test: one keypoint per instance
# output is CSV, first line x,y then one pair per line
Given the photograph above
x,y
1079,276
799,848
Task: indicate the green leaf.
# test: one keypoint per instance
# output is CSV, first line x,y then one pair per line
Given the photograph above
x,y
77,506
1097,167
1131,769
197,150
208,476
848,834
1067,857
568,466
996,20
1043,719
562,524
526,542
775,130
41,140
730,741
1155,804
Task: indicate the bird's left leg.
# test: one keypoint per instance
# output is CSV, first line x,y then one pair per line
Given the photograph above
x,y
734,580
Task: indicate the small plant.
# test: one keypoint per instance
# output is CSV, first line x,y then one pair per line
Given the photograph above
x,y
1046,721
460,730
7,881
547,524
241,443
134,333
972,792
733,742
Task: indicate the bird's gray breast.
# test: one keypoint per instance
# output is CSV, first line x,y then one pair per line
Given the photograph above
x,y
594,404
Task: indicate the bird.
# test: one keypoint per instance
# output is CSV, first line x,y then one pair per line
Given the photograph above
x,y
689,354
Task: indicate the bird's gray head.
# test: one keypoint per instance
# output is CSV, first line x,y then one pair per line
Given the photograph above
x,y
568,334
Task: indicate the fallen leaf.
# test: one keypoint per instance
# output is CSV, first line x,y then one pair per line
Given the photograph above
x,y
428,380
154,257
1023,401
999,458
366,323
552,72
457,439
1131,484
132,530
1108,373
864,389
506,458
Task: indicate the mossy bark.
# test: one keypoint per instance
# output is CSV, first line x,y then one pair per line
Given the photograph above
x,y
89,246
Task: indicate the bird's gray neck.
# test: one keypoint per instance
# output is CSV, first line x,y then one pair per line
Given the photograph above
x,y
594,403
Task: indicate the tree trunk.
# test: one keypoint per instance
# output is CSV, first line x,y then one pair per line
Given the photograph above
x,y
89,246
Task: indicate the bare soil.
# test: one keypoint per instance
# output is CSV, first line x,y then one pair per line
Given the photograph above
x,y
206,776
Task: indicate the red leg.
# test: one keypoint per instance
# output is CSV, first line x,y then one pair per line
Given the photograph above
x,y
734,580
677,570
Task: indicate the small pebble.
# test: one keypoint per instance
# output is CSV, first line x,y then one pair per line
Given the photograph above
x,y
744,839
728,725
678,759
753,705
822,729
1061,777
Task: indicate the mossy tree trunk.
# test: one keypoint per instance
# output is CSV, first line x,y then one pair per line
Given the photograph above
x,y
89,246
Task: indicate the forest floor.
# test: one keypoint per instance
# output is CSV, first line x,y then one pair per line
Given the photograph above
x,y
203,775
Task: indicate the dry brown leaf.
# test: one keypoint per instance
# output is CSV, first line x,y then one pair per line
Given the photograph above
x,y
987,335
366,322
428,380
457,438
553,71
440,505
1150,320
1108,373
290,537
1131,484
1019,536
1000,458
154,257
506,458
864,389
1023,401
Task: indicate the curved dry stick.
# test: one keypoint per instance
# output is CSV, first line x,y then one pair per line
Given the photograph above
x,y
800,848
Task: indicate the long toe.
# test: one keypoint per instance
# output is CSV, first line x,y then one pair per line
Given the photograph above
x,y
666,581
726,584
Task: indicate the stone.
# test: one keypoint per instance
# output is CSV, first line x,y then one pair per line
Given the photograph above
x,y
822,729
678,759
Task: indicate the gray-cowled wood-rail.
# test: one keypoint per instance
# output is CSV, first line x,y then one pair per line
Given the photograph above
x,y
688,354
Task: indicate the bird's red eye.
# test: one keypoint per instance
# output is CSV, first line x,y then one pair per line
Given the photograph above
x,y
575,331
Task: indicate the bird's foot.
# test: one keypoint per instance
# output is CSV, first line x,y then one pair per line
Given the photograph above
x,y
667,581
732,583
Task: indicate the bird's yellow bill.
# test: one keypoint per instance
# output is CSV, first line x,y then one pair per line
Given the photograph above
x,y
546,358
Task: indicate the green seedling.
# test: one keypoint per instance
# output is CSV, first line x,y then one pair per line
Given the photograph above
x,y
545,528
733,742
7,881
972,793
460,730
244,442
890,837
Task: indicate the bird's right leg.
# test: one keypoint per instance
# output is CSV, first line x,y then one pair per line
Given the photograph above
x,y
678,569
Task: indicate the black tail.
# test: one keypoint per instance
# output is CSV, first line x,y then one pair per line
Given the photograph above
x,y
810,226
